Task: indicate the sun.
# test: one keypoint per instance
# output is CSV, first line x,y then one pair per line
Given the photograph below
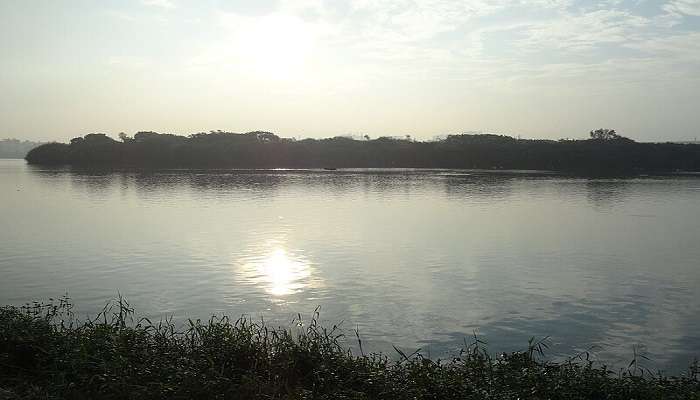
x,y
275,46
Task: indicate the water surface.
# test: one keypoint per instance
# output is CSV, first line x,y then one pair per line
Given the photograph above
x,y
413,258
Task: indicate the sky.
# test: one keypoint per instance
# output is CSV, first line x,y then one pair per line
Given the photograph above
x,y
313,68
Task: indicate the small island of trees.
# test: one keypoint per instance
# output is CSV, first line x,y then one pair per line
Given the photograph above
x,y
605,152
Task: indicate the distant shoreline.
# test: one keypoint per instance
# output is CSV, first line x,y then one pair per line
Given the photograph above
x,y
15,148
265,150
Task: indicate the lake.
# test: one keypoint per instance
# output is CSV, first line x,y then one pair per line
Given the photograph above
x,y
413,258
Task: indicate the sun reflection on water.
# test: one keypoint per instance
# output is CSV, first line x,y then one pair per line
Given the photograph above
x,y
279,273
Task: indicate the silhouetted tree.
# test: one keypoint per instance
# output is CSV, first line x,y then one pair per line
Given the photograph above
x,y
605,153
604,134
49,153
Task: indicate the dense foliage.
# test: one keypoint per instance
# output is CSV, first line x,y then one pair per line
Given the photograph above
x,y
46,354
606,152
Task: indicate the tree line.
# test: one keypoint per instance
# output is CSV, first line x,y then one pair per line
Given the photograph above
x,y
14,148
606,152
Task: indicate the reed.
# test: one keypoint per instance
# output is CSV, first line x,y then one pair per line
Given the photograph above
x,y
46,353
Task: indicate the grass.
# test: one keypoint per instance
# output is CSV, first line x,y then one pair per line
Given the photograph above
x,y
45,353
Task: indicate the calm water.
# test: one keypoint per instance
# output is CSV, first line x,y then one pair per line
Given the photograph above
x,y
414,258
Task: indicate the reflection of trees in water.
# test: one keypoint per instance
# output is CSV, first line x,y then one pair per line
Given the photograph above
x,y
48,171
94,182
479,187
270,181
161,183
606,194
483,187
326,182
487,187
50,176
403,183
233,181
156,182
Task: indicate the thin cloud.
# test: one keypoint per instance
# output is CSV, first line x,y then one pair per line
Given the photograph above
x,y
584,31
686,7
158,3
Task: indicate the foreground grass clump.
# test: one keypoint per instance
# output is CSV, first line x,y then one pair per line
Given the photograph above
x,y
46,354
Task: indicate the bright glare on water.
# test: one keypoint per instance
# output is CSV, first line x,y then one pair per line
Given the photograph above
x,y
278,273
411,258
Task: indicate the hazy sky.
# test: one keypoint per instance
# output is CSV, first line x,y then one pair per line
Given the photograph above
x,y
312,68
